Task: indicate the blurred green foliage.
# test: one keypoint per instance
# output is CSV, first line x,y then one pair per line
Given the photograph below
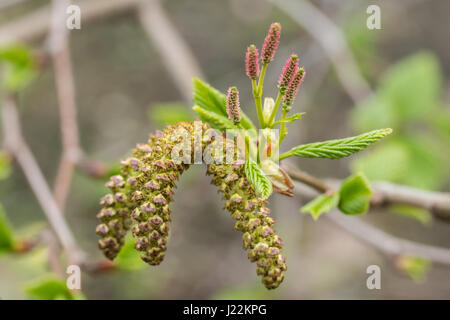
x,y
170,113
6,233
129,258
50,287
363,43
19,67
407,100
5,165
421,215
416,268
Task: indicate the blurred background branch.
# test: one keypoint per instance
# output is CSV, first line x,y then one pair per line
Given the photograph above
x,y
17,146
62,67
373,236
384,193
387,243
36,24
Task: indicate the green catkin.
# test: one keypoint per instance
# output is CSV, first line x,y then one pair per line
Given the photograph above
x,y
253,220
152,175
115,217
147,182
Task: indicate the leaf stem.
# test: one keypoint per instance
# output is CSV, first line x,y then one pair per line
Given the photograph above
x,y
247,147
258,104
275,109
261,78
282,127
257,94
284,156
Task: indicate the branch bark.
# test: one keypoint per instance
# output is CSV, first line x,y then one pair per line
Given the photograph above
x,y
37,23
438,203
175,53
386,243
65,88
16,145
386,193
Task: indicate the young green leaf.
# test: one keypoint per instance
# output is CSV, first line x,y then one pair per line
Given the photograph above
x,y
6,235
321,204
292,118
208,97
50,288
214,101
258,179
215,120
355,195
339,148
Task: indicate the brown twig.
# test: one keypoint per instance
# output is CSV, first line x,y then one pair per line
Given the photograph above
x,y
387,243
385,193
16,145
37,23
72,155
381,240
9,3
438,203
307,179
49,239
62,66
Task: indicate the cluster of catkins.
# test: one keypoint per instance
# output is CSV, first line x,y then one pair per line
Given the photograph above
x,y
292,75
140,197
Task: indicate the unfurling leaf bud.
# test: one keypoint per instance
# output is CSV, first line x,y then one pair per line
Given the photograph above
x,y
233,105
269,104
271,43
288,72
293,87
251,62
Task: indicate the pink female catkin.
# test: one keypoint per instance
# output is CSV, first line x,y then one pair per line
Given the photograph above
x,y
294,85
251,62
233,105
288,72
271,43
